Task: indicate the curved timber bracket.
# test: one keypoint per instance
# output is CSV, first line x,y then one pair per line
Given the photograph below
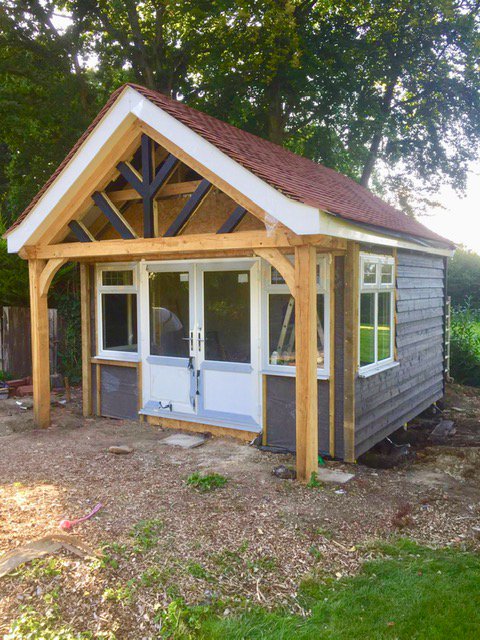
x,y
48,273
281,263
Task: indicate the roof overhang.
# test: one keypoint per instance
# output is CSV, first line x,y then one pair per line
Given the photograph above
x,y
132,108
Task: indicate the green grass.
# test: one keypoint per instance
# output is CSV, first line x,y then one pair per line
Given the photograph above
x,y
207,482
412,593
367,343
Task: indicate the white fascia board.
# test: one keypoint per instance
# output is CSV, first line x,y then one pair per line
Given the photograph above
x,y
90,154
334,226
300,218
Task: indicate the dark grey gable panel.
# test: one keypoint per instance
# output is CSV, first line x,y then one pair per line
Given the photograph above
x,y
386,401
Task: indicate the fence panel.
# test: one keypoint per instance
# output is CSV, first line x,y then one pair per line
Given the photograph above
x,y
15,341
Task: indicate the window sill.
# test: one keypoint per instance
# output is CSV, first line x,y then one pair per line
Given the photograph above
x,y
116,357
367,373
321,375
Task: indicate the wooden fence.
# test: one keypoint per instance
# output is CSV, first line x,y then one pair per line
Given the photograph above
x,y
15,341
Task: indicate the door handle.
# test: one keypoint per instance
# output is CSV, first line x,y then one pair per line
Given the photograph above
x,y
200,340
190,340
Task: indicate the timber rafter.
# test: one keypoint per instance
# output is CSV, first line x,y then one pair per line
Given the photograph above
x,y
149,183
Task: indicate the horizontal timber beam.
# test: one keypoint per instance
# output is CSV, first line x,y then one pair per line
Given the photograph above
x,y
173,189
189,243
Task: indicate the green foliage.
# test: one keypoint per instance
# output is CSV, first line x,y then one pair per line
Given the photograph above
x,y
396,596
121,593
314,482
13,275
146,535
181,622
65,296
463,278
207,482
465,345
31,625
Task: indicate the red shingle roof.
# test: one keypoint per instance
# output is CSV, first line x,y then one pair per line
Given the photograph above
x,y
295,176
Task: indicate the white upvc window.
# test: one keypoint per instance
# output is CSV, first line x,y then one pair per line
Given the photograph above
x,y
117,307
376,309
279,321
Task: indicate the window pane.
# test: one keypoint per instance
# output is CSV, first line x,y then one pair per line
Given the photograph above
x,y
367,328
277,278
117,278
387,274
227,315
281,318
169,314
119,319
384,325
369,273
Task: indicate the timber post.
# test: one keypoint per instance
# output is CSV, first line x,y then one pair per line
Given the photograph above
x,y
40,345
351,319
41,273
306,388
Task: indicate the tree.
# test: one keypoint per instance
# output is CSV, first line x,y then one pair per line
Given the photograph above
x,y
463,278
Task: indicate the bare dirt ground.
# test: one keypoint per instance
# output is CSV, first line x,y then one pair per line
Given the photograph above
x,y
251,541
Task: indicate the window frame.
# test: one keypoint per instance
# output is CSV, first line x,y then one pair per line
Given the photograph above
x,y
376,288
270,289
109,354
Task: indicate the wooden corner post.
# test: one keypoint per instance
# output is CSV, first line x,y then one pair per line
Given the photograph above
x,y
351,319
306,390
86,339
40,345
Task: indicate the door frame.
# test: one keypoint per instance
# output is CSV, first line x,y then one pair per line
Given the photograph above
x,y
226,264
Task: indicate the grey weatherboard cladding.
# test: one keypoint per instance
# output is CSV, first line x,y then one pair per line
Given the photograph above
x,y
387,400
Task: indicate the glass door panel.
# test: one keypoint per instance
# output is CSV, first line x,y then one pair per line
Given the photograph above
x,y
169,314
171,358
227,316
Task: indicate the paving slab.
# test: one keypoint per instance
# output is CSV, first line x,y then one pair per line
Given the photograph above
x,y
334,476
444,428
183,440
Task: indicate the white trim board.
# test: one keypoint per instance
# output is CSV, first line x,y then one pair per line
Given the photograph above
x,y
131,107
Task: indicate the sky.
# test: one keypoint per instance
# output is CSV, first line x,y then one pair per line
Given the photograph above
x,y
459,221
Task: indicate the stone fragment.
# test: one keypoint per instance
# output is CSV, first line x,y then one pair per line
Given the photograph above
x,y
120,449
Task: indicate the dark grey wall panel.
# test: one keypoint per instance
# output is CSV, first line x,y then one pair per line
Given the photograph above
x,y
94,388
280,412
387,400
119,392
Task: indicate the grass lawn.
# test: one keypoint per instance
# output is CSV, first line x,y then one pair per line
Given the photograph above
x,y
409,593
367,347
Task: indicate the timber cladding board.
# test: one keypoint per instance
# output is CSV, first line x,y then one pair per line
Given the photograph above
x,y
387,400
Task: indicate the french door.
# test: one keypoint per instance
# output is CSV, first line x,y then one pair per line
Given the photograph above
x,y
203,341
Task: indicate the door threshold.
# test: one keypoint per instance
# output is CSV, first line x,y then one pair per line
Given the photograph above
x,y
186,417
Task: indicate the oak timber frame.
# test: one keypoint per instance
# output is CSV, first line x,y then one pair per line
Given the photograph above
x,y
45,260
48,254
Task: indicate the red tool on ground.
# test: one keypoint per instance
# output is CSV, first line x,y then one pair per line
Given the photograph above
x,y
66,525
